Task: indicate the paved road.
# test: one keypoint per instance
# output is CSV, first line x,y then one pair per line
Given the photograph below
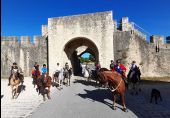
x,y
82,100
21,107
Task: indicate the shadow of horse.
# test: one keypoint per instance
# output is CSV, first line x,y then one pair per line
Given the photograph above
x,y
84,82
100,95
20,89
55,84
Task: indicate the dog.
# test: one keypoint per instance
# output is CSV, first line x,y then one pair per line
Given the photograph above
x,y
155,94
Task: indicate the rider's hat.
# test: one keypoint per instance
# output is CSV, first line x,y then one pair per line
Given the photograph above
x,y
44,64
133,62
118,61
14,63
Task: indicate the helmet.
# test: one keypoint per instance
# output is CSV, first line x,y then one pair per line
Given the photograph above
x,y
133,61
44,64
118,61
14,63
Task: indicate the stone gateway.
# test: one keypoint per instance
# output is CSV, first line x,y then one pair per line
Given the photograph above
x,y
64,39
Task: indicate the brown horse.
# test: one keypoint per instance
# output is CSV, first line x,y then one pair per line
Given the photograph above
x,y
116,85
44,85
14,82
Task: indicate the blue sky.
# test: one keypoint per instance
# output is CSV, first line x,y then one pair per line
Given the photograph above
x,y
25,17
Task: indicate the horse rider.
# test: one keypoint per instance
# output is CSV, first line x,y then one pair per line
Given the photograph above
x,y
112,65
133,69
56,73
66,66
19,70
44,70
98,66
121,69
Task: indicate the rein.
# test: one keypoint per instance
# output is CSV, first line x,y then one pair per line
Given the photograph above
x,y
116,87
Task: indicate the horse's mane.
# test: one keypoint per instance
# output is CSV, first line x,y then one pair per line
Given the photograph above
x,y
103,69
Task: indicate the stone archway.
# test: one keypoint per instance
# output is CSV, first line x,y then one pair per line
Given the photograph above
x,y
73,54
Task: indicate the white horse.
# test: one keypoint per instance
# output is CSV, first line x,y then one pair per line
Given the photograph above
x,y
85,72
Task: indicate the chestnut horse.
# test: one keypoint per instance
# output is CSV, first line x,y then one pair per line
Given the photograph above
x,y
15,82
116,85
44,85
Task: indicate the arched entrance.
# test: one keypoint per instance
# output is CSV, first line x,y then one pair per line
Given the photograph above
x,y
78,46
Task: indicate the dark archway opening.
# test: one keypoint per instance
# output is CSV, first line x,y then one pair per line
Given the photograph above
x,y
74,55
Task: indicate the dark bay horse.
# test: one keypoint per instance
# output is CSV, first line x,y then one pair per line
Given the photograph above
x,y
116,85
134,79
44,84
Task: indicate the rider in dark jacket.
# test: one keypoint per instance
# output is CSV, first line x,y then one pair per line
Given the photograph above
x,y
19,75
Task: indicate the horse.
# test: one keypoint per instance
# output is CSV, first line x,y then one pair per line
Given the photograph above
x,y
35,76
94,76
43,82
134,79
86,73
116,85
14,83
55,77
67,75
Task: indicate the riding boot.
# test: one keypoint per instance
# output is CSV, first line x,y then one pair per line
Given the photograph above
x,y
9,79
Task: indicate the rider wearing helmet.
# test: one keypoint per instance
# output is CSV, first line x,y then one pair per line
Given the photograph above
x,y
120,68
19,70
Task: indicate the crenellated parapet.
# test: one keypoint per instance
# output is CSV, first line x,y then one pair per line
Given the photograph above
x,y
9,41
25,40
44,30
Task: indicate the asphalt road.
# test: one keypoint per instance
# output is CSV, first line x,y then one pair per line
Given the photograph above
x,y
83,100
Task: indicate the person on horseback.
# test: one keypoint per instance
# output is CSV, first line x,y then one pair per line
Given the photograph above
x,y
34,68
66,66
44,70
112,65
19,70
133,70
98,66
56,72
35,71
121,69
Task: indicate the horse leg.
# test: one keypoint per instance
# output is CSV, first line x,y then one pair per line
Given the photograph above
x,y
48,94
69,81
123,102
16,92
114,101
44,98
12,87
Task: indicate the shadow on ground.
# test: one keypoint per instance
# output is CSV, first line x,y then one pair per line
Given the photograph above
x,y
138,104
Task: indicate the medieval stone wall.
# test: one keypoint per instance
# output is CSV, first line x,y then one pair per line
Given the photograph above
x,y
24,53
129,46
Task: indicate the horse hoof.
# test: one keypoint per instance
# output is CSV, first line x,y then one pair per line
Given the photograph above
x,y
114,107
125,110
